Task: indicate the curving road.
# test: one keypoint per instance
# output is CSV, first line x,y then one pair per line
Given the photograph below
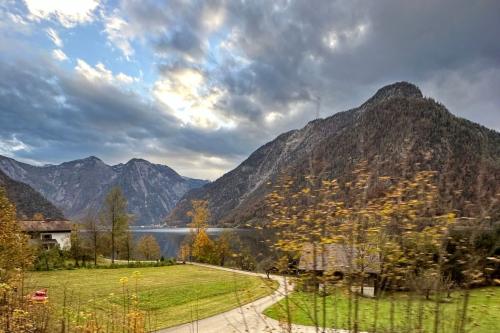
x,y
247,318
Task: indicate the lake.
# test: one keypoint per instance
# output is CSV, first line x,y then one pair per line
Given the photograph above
x,y
170,239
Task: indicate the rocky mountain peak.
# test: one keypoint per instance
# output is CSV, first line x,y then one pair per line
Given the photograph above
x,y
92,159
396,127
399,89
138,161
88,161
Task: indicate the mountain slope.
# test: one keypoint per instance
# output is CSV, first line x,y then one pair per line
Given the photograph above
x,y
77,186
396,127
28,201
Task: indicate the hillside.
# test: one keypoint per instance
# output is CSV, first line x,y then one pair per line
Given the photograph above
x,y
152,190
398,128
28,201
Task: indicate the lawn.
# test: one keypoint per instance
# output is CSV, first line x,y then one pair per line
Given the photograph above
x,y
483,315
171,295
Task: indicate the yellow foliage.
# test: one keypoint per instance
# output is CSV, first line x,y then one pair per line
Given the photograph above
x,y
199,215
203,247
149,248
15,253
398,225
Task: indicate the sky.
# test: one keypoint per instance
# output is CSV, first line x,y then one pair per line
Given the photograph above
x,y
199,85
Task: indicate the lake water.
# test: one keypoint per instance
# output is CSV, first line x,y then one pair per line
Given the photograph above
x,y
170,239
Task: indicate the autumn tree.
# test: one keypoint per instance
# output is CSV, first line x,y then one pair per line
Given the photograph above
x,y
148,247
223,247
114,216
388,225
199,215
15,252
15,257
203,247
185,251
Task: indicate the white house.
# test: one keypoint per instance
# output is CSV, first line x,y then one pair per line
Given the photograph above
x,y
48,233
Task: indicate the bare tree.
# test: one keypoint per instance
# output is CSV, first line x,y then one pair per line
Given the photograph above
x,y
114,216
92,229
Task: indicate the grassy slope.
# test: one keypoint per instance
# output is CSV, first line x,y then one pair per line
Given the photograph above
x,y
484,312
174,294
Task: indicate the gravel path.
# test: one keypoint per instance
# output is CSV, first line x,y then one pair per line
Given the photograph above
x,y
245,319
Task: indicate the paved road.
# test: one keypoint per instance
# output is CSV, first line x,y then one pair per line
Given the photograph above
x,y
245,319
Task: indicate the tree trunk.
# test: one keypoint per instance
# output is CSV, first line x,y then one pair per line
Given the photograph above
x,y
95,249
113,237
112,247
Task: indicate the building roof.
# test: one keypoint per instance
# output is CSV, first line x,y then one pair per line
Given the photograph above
x,y
338,258
45,226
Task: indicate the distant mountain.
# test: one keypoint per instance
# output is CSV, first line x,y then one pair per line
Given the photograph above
x,y
28,201
396,127
152,190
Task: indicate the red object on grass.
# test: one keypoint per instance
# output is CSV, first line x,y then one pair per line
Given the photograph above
x,y
40,296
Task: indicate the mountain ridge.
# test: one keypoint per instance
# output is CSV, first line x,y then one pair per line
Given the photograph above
x,y
80,185
396,121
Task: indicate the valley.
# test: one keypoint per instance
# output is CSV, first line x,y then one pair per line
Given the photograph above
x,y
381,217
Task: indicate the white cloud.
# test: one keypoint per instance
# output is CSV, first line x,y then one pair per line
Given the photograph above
x,y
185,92
271,117
59,55
17,19
68,13
100,73
352,36
12,145
180,89
54,37
119,34
199,165
124,78
331,40
213,18
13,22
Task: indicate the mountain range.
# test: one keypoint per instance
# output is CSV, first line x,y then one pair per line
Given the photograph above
x,y
396,131
76,187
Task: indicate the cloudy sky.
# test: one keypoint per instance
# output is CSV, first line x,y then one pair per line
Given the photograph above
x,y
198,85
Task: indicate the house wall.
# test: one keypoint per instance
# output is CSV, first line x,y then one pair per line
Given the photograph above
x,y
62,238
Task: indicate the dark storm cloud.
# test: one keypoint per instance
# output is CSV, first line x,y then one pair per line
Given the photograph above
x,y
68,116
339,52
183,41
241,107
376,43
287,59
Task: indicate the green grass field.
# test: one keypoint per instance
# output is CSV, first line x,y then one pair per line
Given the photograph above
x,y
484,312
172,295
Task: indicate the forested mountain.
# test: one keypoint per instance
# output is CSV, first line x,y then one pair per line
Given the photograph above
x,y
28,201
396,131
